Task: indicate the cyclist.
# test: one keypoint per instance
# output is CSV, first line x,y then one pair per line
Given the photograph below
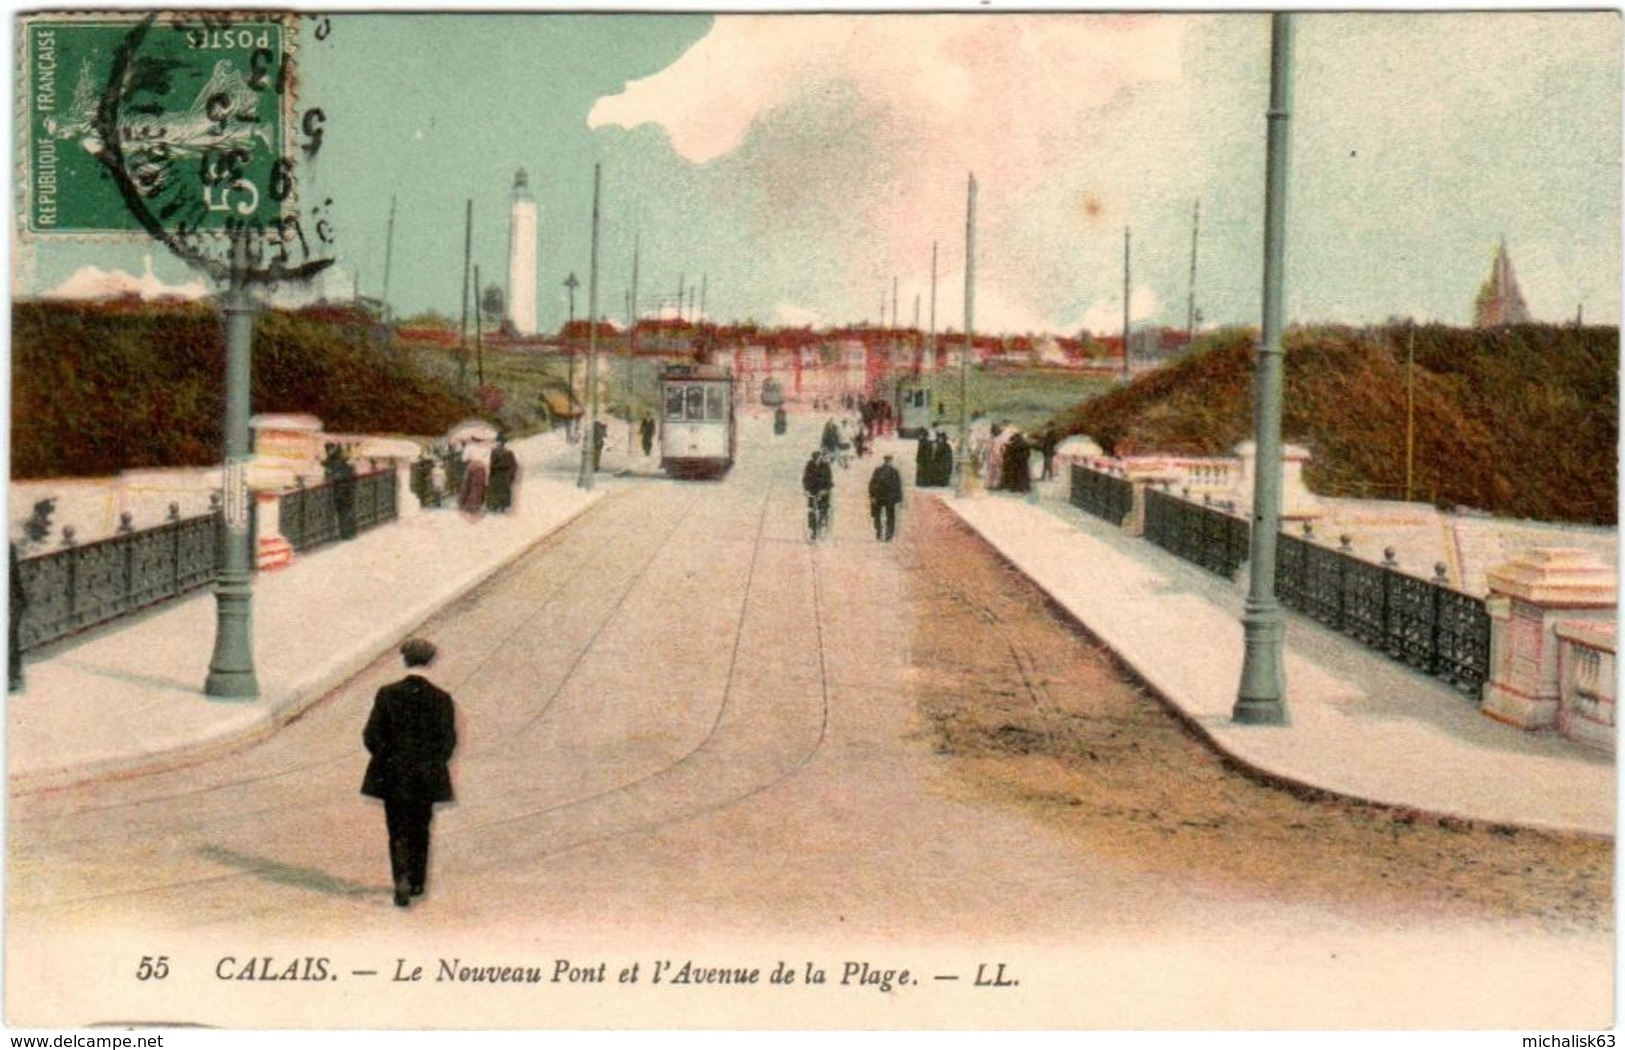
x,y
817,480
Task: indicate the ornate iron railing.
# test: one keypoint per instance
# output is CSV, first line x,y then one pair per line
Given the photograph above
x,y
1425,624
313,515
78,587
1104,496
1205,535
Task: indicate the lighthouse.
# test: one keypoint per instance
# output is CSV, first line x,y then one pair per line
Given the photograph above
x,y
522,257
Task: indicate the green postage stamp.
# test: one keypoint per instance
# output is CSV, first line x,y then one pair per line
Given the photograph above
x,y
139,121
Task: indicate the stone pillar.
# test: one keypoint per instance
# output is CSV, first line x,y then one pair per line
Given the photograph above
x,y
1297,502
1528,596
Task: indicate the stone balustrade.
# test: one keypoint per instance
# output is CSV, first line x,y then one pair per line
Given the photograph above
x,y
1587,681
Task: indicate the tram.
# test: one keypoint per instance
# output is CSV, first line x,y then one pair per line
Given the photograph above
x,y
698,428
913,406
772,392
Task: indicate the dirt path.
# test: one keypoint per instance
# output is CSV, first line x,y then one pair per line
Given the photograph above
x,y
1040,718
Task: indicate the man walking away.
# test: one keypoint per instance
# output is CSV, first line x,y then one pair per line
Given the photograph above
x,y
885,493
646,431
411,734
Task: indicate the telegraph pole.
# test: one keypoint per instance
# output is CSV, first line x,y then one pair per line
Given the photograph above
x,y
591,435
1190,305
1125,304
933,342
468,256
632,340
1261,698
479,329
231,669
389,250
571,284
970,322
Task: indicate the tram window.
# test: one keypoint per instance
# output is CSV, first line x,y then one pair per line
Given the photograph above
x,y
674,401
716,402
694,407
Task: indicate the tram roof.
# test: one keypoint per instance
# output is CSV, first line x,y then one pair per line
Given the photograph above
x,y
696,371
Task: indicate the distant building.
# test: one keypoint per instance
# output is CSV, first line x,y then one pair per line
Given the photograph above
x,y
522,257
1499,300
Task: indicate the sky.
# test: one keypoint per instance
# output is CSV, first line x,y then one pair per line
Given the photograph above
x,y
799,163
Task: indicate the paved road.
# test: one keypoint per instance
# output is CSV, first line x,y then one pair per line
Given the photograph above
x,y
687,733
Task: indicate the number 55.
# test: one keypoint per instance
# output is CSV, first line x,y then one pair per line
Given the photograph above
x,y
152,969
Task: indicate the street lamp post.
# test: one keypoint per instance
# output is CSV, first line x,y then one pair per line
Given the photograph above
x,y
571,284
231,669
970,326
590,442
1261,698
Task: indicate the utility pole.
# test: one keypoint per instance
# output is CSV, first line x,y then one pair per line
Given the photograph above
x,y
1261,697
705,279
468,256
970,323
479,329
680,294
632,340
1125,304
1190,306
932,345
590,437
571,284
231,668
1410,412
389,250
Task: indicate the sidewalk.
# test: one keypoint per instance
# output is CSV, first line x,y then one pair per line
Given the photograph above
x,y
130,697
1361,725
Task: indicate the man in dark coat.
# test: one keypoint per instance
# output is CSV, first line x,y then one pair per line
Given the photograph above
x,y
646,432
504,469
339,471
885,493
411,735
1017,475
14,620
922,461
942,460
600,433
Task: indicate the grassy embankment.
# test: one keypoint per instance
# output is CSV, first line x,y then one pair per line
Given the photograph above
x,y
1520,421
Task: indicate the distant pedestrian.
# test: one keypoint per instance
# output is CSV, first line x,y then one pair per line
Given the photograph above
x,y
600,433
1017,463
411,735
818,482
476,476
923,454
341,474
14,618
942,460
830,443
646,433
780,420
1047,445
885,493
504,472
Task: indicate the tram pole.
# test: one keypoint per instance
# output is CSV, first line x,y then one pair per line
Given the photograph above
x,y
1261,697
970,325
591,436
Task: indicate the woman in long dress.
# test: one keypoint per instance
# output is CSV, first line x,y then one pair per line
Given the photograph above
x,y
476,469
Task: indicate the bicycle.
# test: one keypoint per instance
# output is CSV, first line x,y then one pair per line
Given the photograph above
x,y
818,514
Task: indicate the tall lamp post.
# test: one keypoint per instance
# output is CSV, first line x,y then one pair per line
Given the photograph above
x,y
1261,698
231,668
571,284
590,442
970,327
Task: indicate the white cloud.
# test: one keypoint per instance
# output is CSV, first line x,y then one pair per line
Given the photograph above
x,y
91,282
797,316
1105,316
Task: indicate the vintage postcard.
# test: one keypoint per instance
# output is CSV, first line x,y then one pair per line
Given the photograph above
x,y
913,520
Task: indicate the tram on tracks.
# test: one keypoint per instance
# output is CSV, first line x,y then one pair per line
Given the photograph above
x,y
698,421
913,407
